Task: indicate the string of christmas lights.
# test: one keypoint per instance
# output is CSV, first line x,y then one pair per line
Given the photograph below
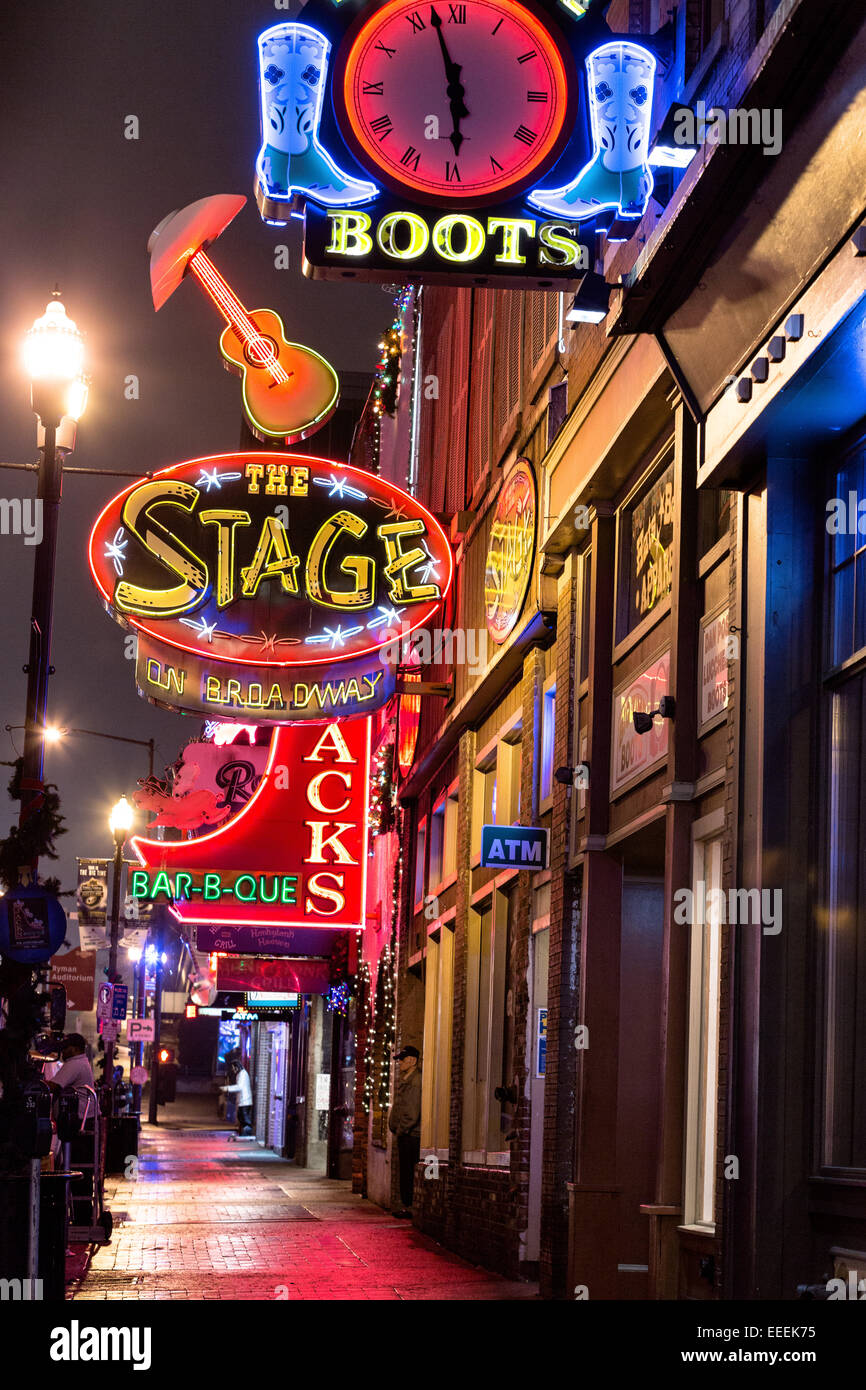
x,y
383,793
386,377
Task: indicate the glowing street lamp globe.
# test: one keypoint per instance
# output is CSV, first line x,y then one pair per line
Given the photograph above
x,y
121,819
53,355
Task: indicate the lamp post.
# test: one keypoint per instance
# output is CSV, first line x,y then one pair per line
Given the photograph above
x,y
121,821
54,360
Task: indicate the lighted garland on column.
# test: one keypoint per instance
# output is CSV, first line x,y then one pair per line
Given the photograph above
x,y
386,377
383,1076
383,793
365,981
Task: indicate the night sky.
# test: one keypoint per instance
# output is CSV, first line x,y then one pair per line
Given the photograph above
x,y
78,204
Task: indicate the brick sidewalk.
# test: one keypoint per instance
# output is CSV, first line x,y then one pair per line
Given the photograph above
x,y
208,1218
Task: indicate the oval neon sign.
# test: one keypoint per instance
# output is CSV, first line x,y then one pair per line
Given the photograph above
x,y
269,558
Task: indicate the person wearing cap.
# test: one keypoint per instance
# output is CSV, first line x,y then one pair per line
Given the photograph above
x,y
404,1122
76,1069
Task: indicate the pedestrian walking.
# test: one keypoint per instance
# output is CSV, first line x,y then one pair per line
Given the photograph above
x,y
242,1085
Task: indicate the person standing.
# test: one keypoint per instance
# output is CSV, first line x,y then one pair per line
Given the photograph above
x,y
243,1086
404,1122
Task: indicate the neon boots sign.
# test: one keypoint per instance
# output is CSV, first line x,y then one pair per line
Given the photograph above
x,y
454,142
265,584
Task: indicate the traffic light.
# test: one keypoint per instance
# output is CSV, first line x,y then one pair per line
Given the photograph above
x,y
166,1085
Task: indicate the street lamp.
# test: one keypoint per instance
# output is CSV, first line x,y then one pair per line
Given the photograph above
x,y
53,354
121,822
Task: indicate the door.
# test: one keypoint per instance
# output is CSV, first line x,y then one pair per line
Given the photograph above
x,y
637,1090
276,1119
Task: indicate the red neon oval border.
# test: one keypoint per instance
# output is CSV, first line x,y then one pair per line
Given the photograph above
x,y
320,660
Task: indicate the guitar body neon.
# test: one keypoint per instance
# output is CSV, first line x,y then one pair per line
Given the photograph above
x,y
288,391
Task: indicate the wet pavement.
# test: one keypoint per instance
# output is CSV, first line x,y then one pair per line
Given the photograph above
x,y
209,1217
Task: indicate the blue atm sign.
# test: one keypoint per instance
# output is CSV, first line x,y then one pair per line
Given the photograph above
x,y
514,846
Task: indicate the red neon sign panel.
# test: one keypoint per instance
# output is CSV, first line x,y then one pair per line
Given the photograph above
x,y
295,856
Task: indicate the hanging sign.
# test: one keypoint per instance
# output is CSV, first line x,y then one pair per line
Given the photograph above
x,y
76,971
265,585
457,142
211,782
714,666
295,857
32,925
511,552
92,892
515,846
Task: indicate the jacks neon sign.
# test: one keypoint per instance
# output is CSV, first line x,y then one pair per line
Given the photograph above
x,y
308,815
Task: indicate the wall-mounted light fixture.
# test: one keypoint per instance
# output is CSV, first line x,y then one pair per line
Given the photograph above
x,y
643,719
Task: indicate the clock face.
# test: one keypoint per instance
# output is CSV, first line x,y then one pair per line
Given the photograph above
x,y
463,101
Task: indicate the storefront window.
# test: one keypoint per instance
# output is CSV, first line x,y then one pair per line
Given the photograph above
x,y
703,1055
847,562
489,1032
714,517
436,1075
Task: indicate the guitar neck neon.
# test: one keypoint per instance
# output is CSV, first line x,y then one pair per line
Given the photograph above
x,y
261,350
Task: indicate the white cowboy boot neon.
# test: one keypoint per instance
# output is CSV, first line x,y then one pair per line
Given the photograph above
x,y
293,66
620,77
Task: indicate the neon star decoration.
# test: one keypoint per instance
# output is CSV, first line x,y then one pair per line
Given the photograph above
x,y
215,479
336,636
116,550
340,488
292,162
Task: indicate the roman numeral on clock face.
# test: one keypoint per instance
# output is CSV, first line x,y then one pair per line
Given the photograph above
x,y
456,14
536,96
411,158
525,57
383,48
383,126
372,89
416,21
525,135
497,167
452,173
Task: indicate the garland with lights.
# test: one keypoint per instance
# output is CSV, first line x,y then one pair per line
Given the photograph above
x,y
386,377
365,984
383,793
337,999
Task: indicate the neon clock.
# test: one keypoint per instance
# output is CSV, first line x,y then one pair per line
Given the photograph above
x,y
466,101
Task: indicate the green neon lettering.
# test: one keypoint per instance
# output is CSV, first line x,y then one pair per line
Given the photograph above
x,y
138,887
275,884
211,887
290,888
181,885
161,885
251,897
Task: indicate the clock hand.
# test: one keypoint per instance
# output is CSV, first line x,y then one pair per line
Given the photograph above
x,y
455,89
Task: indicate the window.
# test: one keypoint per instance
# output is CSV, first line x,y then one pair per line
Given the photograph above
x,y
488,1058
509,762
420,856
703,1049
557,410
548,728
443,840
484,810
436,1075
848,563
714,517
585,612
703,17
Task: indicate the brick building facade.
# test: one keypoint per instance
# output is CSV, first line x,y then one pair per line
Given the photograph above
x,y
674,1115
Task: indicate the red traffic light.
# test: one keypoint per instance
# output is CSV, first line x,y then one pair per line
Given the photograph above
x,y
166,1054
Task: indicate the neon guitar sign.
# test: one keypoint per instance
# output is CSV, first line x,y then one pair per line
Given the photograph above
x,y
288,391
